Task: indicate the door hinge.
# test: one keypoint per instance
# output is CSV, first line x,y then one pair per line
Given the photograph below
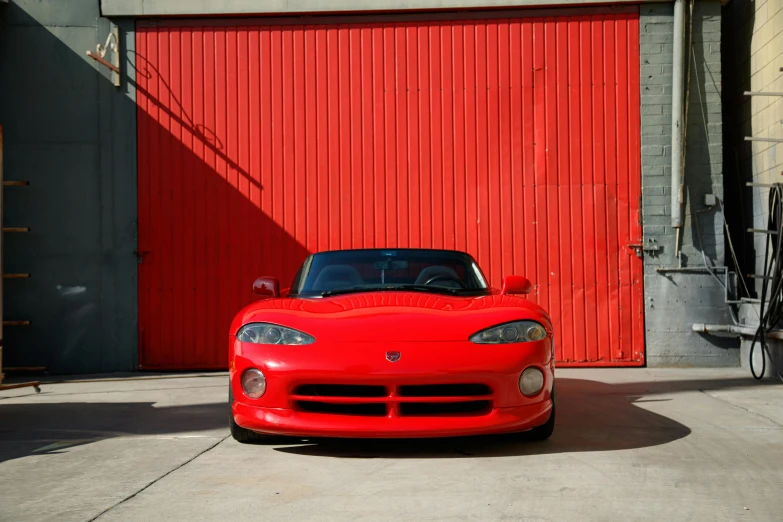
x,y
651,246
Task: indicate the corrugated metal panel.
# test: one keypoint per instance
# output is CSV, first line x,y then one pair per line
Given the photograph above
x,y
516,140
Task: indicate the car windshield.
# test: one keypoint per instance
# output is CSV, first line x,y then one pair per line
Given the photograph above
x,y
420,270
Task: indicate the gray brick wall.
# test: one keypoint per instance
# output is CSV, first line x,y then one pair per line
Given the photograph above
x,y
676,300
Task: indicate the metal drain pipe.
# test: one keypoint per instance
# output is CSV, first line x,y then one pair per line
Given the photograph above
x,y
678,88
733,330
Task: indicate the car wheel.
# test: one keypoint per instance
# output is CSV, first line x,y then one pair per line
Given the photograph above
x,y
544,431
241,434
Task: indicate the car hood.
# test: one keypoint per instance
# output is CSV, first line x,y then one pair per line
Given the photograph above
x,y
391,316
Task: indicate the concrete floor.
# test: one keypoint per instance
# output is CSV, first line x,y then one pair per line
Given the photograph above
x,y
629,445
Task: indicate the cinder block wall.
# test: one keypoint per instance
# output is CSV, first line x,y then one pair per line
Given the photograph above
x,y
675,300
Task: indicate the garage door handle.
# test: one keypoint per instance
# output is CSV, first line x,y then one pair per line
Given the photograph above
x,y
140,255
649,246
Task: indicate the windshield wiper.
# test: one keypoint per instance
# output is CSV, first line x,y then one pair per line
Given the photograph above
x,y
351,290
432,289
387,288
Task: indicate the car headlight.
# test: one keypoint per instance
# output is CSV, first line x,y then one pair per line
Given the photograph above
x,y
265,333
515,332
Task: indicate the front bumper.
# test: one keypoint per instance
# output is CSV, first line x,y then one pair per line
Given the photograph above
x,y
301,424
289,369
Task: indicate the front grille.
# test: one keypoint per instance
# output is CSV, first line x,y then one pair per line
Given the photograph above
x,y
371,409
341,390
424,409
408,400
444,390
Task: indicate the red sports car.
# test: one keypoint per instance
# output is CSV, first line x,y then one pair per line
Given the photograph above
x,y
391,343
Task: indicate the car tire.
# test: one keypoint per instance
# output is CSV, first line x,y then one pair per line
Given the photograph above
x,y
544,431
243,435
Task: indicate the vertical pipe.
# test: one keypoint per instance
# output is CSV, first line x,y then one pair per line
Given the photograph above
x,y
677,115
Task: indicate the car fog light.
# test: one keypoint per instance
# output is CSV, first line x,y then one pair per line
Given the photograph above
x,y
254,383
531,381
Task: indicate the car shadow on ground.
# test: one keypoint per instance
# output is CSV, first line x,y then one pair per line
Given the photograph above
x,y
46,428
591,416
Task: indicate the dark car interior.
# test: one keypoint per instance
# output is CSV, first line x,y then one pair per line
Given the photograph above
x,y
329,271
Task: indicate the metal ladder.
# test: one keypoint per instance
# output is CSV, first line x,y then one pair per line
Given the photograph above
x,y
14,323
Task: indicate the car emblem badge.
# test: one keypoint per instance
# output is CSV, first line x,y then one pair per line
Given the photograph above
x,y
393,356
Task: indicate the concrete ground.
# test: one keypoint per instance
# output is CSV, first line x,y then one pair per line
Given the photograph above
x,y
629,445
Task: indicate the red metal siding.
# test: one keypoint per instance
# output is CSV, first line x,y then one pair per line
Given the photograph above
x,y
516,140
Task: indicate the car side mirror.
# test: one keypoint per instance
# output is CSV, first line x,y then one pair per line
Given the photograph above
x,y
267,287
514,284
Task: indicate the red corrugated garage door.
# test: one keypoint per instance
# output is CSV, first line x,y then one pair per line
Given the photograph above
x,y
516,139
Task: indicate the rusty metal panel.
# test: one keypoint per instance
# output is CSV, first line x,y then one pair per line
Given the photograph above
x,y
515,139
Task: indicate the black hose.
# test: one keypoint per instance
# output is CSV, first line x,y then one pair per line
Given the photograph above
x,y
773,280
